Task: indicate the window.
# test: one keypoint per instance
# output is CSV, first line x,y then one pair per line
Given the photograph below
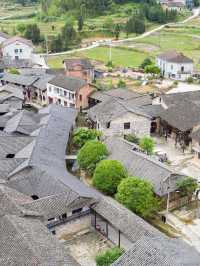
x,y
34,197
20,50
77,210
1,128
10,155
16,51
182,69
65,103
127,125
108,125
65,93
50,89
59,101
171,67
72,105
80,97
16,57
57,90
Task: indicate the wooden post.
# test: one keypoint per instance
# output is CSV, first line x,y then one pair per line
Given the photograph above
x,y
107,229
119,240
95,219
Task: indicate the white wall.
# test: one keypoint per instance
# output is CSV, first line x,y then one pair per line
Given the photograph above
x,y
66,98
171,70
139,125
19,49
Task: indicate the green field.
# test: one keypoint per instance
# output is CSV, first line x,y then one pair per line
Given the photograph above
x,y
120,57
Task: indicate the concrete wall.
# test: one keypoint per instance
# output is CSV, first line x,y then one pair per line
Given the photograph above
x,y
139,125
18,49
173,70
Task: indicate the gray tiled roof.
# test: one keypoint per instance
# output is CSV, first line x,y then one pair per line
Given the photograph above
x,y
159,251
68,83
19,79
71,62
130,224
25,241
175,57
140,165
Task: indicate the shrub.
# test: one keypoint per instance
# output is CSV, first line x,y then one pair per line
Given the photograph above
x,y
187,186
132,138
14,71
147,61
121,84
152,69
108,257
190,80
138,196
147,144
90,154
107,176
82,135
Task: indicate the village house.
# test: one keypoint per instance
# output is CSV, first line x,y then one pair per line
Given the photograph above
x,y
179,117
16,48
11,96
79,68
121,112
143,166
38,192
69,91
175,65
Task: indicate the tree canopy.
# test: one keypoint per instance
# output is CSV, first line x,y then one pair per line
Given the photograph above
x,y
187,186
82,135
147,144
138,196
90,154
108,257
107,176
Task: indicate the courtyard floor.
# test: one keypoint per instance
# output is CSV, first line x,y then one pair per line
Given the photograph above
x,y
85,245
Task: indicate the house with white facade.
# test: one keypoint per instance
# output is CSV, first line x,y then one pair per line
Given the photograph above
x,y
175,65
16,48
68,91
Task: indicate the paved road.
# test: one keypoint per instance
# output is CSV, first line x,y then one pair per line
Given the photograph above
x,y
196,13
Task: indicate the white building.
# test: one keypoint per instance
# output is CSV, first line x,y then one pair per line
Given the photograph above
x,y
175,65
17,48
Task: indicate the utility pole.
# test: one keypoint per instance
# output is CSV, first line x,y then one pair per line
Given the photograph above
x,y
110,52
47,49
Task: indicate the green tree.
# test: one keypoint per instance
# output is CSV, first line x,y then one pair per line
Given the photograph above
x,y
80,23
32,33
187,186
56,44
107,176
21,28
147,144
152,69
138,196
82,135
117,30
69,35
147,61
90,154
108,257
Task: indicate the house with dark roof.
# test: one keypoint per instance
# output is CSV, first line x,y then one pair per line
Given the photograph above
x,y
37,191
79,68
12,96
175,65
180,117
69,91
121,112
17,48
162,177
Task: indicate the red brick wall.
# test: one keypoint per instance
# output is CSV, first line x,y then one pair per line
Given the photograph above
x,y
82,96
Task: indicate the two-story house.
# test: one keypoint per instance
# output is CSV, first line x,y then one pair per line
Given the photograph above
x,y
175,65
68,91
79,68
17,48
